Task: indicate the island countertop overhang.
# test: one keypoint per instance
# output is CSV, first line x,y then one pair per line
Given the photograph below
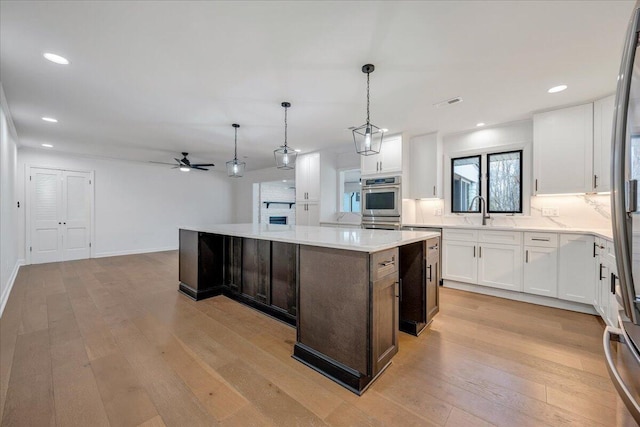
x,y
355,239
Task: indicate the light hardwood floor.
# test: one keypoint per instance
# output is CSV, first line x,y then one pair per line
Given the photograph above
x,y
111,342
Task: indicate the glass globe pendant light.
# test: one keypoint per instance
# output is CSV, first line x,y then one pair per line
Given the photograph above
x,y
285,156
368,137
235,169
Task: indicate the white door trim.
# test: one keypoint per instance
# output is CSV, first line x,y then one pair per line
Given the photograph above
x,y
27,225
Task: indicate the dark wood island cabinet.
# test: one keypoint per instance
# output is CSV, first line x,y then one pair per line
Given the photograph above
x,y
342,290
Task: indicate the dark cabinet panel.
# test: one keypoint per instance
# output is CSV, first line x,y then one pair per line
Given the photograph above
x,y
419,279
256,269
385,321
201,270
433,278
233,262
283,276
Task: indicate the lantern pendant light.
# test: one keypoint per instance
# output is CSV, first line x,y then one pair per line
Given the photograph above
x,y
235,169
285,156
368,137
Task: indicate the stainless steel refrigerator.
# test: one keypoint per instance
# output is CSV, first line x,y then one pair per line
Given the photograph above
x,y
624,364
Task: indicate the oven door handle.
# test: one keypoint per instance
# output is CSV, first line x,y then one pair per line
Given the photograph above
x,y
383,187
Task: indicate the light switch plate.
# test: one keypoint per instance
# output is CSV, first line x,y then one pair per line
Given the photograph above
x,y
438,212
550,212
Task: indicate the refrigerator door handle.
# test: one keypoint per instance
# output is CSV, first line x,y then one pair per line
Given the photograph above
x,y
621,205
615,334
630,195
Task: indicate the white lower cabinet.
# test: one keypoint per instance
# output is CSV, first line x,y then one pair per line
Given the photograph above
x,y
541,271
475,257
459,261
500,266
576,266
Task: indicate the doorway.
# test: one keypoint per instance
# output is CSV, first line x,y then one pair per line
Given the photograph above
x,y
59,215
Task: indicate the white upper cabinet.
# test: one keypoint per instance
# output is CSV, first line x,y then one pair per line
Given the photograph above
x,y
563,150
602,133
308,177
388,161
425,167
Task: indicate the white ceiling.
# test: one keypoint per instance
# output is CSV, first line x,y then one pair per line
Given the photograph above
x,y
151,79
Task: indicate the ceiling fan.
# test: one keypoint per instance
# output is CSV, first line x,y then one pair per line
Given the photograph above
x,y
185,165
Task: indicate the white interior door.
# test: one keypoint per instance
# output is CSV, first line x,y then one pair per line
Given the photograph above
x,y
46,215
76,197
60,215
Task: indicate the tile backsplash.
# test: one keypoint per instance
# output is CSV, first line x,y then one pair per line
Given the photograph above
x,y
589,211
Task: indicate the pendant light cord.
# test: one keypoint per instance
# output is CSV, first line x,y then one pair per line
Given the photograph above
x,y
368,98
285,128
235,151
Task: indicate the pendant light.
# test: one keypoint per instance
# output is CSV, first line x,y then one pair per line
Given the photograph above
x,y
235,169
368,137
285,156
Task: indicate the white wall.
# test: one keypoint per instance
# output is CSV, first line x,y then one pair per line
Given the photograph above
x,y
243,190
9,259
138,206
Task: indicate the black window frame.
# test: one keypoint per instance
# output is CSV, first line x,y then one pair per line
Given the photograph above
x,y
489,182
479,156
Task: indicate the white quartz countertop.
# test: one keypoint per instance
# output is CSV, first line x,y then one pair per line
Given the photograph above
x,y
354,239
604,233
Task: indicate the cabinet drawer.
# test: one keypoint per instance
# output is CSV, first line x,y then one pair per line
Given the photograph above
x,y
503,237
466,235
545,240
384,263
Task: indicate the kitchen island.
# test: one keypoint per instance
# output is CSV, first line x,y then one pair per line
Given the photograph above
x,y
340,287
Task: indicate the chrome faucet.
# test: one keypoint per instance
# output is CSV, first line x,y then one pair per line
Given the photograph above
x,y
483,208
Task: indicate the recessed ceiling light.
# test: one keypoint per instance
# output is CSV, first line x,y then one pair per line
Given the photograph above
x,y
284,180
50,119
47,145
297,150
480,124
557,89
384,130
61,60
184,169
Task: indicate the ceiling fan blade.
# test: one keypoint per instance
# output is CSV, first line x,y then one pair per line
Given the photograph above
x,y
199,168
179,161
162,163
202,164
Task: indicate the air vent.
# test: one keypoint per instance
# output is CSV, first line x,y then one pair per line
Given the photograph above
x,y
448,102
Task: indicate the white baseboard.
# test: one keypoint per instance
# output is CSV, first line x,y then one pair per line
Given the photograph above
x,y
134,252
12,279
521,296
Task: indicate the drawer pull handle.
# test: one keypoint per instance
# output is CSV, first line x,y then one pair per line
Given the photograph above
x,y
539,239
387,263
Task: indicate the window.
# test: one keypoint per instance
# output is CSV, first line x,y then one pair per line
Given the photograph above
x,y
504,183
465,183
350,190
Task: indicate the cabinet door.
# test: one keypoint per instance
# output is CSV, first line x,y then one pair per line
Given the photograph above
x,y
601,302
302,177
602,133
283,276
302,218
256,269
576,265
313,214
385,321
370,165
563,150
391,153
541,271
459,261
423,182
433,280
313,176
500,266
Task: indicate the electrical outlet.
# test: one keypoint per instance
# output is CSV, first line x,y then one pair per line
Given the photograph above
x,y
550,212
438,212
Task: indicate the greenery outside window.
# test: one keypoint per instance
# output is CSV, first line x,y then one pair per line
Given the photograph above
x,y
504,182
466,173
